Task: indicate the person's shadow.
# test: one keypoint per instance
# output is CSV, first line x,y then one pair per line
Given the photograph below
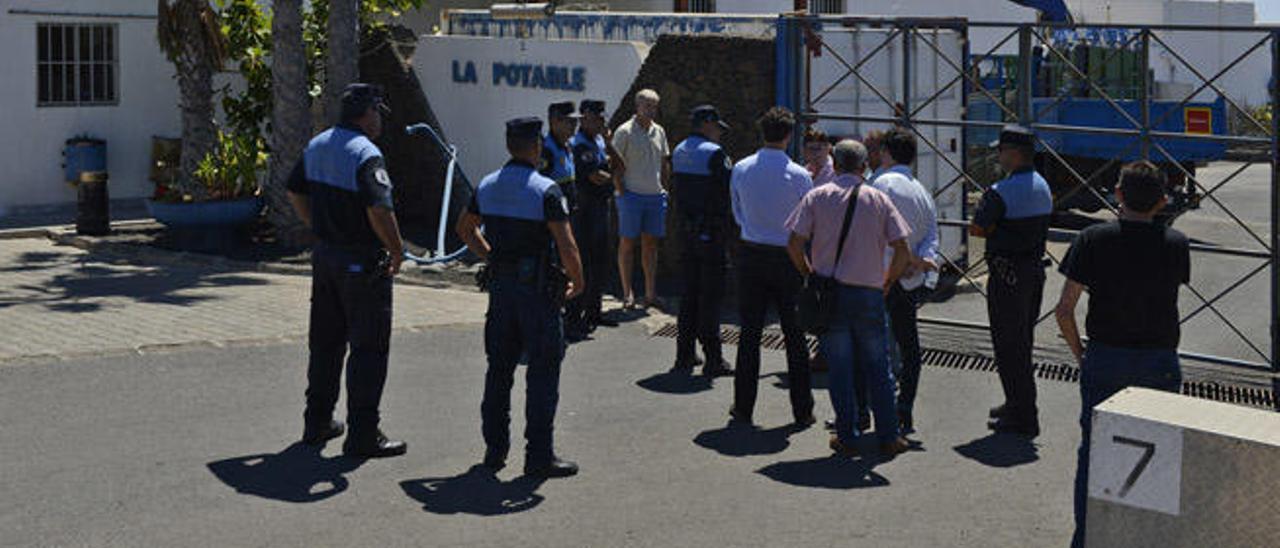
x,y
1000,450
299,474
477,491
825,473
741,440
676,381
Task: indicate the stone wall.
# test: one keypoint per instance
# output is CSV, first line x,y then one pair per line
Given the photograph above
x,y
736,74
415,163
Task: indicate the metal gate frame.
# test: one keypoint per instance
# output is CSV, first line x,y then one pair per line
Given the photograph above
x,y
797,41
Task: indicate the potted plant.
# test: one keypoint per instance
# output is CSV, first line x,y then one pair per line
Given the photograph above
x,y
228,180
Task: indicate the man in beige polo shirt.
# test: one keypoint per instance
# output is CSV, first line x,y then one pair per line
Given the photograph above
x,y
641,192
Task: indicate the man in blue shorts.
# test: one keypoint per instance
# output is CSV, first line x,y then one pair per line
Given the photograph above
x,y
640,189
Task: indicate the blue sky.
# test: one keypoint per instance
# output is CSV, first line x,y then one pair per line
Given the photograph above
x,y
1268,10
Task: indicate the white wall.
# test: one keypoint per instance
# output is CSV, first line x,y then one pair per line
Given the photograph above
x,y
33,137
473,114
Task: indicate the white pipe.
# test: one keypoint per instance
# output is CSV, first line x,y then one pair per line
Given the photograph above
x,y
444,202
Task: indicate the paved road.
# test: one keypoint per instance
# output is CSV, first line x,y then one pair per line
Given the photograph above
x,y
145,406
192,448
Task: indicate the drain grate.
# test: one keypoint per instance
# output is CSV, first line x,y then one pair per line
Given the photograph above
x,y
1203,389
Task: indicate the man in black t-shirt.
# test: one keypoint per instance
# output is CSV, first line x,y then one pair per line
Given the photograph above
x,y
1133,268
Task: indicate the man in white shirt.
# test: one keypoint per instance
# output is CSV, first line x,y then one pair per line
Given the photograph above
x,y
897,151
640,189
764,189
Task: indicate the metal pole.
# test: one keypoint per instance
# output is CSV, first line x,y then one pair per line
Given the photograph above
x,y
1144,93
908,33
1275,217
964,141
1024,74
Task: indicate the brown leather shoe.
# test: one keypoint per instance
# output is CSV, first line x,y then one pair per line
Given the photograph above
x,y
840,449
894,448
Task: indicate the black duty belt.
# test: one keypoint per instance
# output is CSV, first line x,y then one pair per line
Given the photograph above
x,y
765,248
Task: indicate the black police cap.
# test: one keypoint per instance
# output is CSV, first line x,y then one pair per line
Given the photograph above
x,y
706,113
592,106
563,109
358,97
1015,135
526,126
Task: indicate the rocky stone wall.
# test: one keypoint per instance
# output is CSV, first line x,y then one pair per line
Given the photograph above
x,y
415,163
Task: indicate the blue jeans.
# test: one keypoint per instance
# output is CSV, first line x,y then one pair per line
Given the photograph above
x,y
1105,371
859,334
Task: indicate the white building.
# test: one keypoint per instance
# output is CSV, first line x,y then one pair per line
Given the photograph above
x,y
106,78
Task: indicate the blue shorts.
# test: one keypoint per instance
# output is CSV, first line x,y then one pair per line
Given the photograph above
x,y
642,213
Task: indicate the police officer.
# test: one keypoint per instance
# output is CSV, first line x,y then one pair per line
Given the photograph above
x,y
526,241
700,187
1014,217
591,220
557,164
340,189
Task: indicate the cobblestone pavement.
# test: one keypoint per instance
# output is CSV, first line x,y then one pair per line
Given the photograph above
x,y
61,302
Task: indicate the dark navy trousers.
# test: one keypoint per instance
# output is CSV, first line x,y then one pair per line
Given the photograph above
x,y
699,319
351,319
521,320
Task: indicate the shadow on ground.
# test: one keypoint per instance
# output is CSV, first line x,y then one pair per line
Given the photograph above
x,y
1000,450
76,291
676,381
477,492
825,473
298,474
741,440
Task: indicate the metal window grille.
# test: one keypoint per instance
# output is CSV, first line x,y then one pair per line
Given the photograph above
x,y
76,65
702,6
826,7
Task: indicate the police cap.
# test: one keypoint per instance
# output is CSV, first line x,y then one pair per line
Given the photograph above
x,y
706,113
592,106
563,109
524,127
1015,135
358,97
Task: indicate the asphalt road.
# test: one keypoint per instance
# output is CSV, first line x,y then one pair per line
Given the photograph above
x,y
193,448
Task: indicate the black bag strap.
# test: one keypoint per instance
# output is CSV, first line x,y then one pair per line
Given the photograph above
x,y
844,228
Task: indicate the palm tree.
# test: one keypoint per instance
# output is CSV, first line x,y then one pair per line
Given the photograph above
x,y
344,60
290,115
189,35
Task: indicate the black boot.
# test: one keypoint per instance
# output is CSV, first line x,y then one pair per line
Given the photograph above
x,y
554,468
378,447
318,435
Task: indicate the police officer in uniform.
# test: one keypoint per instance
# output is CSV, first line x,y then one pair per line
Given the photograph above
x,y
557,164
340,189
591,220
526,242
1014,217
700,176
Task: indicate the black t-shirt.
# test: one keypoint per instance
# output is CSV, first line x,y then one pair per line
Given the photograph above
x,y
1133,271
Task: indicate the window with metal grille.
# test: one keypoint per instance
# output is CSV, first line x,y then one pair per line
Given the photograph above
x,y
75,65
823,7
702,6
